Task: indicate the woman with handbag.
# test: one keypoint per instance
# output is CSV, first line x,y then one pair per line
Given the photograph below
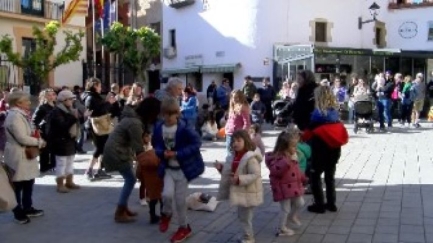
x,y
47,161
98,125
20,155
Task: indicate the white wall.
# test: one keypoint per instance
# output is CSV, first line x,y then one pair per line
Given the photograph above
x,y
246,30
398,19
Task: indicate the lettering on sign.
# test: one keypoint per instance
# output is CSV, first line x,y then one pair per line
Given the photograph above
x,y
408,30
193,60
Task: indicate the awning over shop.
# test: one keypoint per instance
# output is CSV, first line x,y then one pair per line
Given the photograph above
x,y
222,68
181,70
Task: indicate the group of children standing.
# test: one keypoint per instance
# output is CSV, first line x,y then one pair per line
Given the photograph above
x,y
241,179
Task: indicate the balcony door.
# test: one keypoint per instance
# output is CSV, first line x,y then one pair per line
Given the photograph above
x,y
29,79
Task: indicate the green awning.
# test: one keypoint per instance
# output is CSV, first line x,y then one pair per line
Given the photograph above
x,y
181,70
222,68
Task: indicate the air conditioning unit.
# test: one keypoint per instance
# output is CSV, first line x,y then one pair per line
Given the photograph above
x,y
170,52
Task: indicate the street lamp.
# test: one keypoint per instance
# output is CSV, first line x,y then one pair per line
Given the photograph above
x,y
374,11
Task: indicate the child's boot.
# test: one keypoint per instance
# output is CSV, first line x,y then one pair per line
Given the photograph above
x,y
121,215
70,183
61,185
154,219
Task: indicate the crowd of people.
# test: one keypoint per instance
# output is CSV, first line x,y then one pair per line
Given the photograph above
x,y
157,139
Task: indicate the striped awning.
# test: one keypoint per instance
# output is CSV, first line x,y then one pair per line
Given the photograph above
x,y
181,70
222,68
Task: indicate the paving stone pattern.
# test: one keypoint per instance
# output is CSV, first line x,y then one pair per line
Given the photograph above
x,y
385,194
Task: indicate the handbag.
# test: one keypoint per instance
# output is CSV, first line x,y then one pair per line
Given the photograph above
x,y
102,125
31,151
7,196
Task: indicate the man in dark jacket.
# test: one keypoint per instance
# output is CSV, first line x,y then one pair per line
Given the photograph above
x,y
304,103
211,89
267,96
249,89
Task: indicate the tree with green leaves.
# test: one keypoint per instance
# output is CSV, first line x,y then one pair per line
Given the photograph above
x,y
136,48
42,60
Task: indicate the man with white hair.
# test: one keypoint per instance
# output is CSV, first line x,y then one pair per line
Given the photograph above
x,y
383,89
173,89
419,89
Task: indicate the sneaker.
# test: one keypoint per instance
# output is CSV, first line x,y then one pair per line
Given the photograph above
x,y
331,208
295,221
101,175
143,202
21,218
164,223
33,213
315,208
285,232
181,234
90,176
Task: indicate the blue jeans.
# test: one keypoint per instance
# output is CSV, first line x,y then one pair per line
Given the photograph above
x,y
128,186
384,109
228,144
191,123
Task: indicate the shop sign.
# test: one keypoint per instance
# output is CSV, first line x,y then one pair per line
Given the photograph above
x,y
193,60
352,52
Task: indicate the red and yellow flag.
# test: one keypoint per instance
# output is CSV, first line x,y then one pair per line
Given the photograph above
x,y
99,8
75,7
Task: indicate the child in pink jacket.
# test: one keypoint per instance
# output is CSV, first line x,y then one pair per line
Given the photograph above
x,y
286,179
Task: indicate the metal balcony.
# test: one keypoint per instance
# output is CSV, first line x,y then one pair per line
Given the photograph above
x,y
181,3
405,4
35,8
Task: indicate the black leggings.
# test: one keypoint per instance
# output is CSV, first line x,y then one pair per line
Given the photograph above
x,y
23,193
98,142
324,160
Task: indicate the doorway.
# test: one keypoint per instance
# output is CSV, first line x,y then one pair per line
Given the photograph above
x,y
154,82
230,77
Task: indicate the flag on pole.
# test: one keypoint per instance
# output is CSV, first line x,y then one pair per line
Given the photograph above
x,y
99,7
75,8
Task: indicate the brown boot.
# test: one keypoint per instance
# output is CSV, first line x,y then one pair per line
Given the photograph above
x,y
61,186
70,182
121,216
130,213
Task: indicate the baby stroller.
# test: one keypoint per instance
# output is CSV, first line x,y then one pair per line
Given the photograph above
x,y
281,110
363,110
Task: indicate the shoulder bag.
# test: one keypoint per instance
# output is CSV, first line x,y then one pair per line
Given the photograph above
x,y
31,151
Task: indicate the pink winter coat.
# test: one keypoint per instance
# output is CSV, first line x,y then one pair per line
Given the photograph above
x,y
286,178
238,121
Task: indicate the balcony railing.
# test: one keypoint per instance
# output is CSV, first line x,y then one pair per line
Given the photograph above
x,y
36,8
181,3
402,4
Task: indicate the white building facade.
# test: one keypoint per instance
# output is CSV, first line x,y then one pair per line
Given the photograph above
x,y
206,40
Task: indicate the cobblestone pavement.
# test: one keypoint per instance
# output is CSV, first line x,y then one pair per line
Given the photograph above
x,y
385,194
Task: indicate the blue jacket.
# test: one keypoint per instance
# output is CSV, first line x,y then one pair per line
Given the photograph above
x,y
222,97
189,108
332,116
187,147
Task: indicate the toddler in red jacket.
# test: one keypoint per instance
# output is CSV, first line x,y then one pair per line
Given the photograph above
x,y
286,179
